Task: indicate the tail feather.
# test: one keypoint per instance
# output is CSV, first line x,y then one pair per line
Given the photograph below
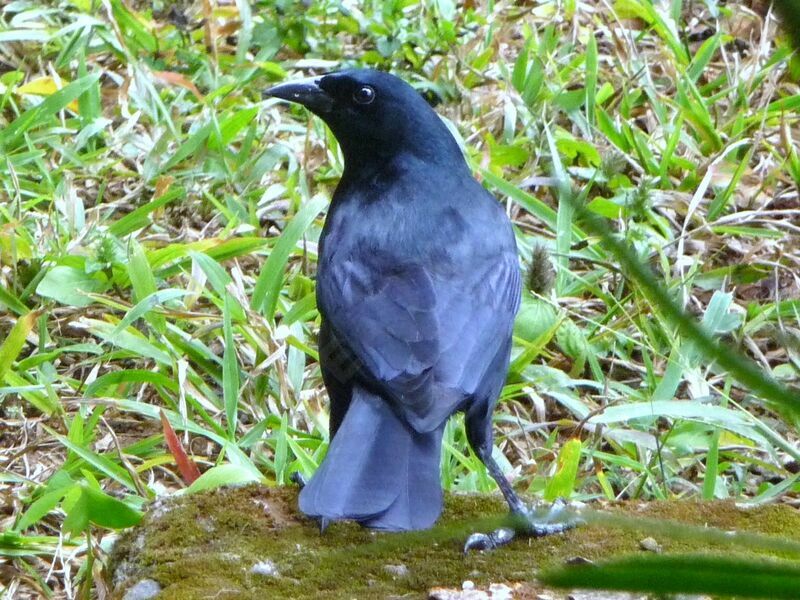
x,y
378,471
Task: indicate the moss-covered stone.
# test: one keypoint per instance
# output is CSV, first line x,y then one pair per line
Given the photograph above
x,y
250,542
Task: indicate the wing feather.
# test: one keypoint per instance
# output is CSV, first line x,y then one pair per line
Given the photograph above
x,y
425,338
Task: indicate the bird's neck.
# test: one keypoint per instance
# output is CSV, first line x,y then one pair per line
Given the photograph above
x,y
378,165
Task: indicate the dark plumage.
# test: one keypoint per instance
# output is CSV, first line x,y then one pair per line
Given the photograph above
x,y
418,286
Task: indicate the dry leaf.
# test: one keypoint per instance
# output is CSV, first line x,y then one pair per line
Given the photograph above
x,y
173,78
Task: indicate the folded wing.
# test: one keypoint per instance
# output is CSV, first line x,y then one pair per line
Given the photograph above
x,y
422,336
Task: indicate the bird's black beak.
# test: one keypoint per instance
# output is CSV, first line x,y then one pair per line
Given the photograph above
x,y
303,91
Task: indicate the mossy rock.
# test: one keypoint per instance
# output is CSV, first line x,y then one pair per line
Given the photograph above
x,y
250,542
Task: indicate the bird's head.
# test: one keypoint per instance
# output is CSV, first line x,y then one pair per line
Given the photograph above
x,y
374,116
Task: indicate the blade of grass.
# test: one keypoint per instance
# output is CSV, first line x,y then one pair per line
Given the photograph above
x,y
230,371
15,341
268,285
743,577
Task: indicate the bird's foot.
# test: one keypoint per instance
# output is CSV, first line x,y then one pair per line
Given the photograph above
x,y
489,541
557,517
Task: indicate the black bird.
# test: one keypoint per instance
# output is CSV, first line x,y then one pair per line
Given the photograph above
x,y
418,285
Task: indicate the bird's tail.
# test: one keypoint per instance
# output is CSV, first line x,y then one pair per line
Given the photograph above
x,y
378,471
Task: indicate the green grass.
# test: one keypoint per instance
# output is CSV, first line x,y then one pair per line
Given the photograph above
x,y
158,228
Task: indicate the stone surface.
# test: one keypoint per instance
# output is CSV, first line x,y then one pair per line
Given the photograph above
x,y
650,545
267,568
250,542
396,570
146,589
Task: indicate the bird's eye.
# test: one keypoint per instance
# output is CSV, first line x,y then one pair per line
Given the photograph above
x,y
364,95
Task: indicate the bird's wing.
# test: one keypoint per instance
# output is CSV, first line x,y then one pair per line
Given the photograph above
x,y
425,338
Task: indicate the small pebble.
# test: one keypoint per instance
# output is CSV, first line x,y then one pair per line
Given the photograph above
x,y
468,585
267,568
143,590
229,557
396,570
207,525
500,591
650,545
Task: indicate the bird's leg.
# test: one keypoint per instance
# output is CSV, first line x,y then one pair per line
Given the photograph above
x,y
536,522
298,478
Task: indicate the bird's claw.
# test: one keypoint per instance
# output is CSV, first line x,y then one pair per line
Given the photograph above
x,y
488,541
323,523
544,520
298,478
541,521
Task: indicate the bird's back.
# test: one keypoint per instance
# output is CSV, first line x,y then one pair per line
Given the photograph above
x,y
418,275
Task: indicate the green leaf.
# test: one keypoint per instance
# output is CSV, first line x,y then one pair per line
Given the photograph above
x,y
11,301
223,475
129,377
24,35
90,102
40,508
712,467
738,422
702,57
100,462
527,201
749,232
15,341
573,148
15,545
268,286
282,449
572,340
671,379
133,28
144,287
128,339
591,78
91,505
301,309
45,403
217,276
230,371
191,145
233,124
145,309
744,577
70,286
562,484
743,369
535,318
138,218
